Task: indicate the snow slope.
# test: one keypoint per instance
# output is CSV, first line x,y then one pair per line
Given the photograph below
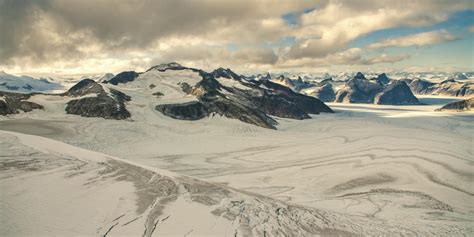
x,y
407,166
51,188
26,84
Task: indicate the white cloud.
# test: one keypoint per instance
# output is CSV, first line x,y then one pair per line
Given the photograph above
x,y
352,56
420,39
60,34
331,28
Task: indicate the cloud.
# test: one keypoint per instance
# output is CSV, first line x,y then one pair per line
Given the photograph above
x,y
352,56
130,24
332,27
384,58
420,39
211,56
60,34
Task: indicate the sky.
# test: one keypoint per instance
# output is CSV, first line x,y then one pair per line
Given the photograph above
x,y
80,37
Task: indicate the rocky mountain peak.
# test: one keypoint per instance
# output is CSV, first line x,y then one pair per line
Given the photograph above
x,y
383,79
84,87
359,75
225,73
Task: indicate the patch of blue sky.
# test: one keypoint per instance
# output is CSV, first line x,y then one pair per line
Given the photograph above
x,y
457,24
293,18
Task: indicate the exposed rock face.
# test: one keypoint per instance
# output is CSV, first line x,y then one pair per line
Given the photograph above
x,y
459,106
168,66
383,79
419,86
225,73
123,77
187,111
84,87
252,105
12,103
359,75
325,93
265,77
397,93
109,105
448,87
211,100
358,90
100,106
308,104
294,84
282,80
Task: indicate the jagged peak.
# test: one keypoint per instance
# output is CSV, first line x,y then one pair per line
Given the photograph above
x,y
383,78
226,73
359,75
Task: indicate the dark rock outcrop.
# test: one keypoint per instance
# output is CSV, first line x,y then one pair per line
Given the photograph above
x,y
419,86
266,77
12,103
123,77
359,75
383,79
325,93
285,81
187,111
84,87
225,73
108,105
396,93
459,106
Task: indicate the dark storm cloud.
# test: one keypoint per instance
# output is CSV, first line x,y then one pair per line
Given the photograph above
x,y
15,24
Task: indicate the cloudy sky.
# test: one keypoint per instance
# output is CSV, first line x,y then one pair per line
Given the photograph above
x,y
94,36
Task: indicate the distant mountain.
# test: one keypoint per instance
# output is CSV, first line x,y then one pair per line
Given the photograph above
x,y
383,79
361,90
459,106
449,87
325,93
26,84
396,93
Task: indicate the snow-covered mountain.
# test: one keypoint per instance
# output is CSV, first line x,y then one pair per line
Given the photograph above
x,y
26,84
181,93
